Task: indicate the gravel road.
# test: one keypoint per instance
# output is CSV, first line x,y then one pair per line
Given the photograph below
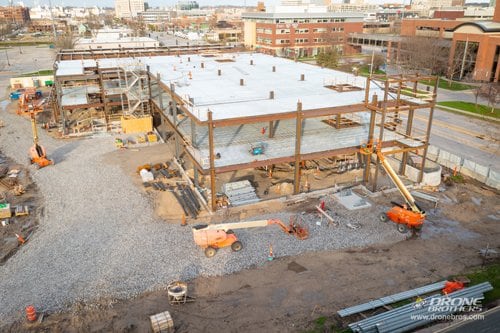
x,y
98,237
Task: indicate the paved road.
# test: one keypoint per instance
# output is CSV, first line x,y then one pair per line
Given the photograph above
x,y
171,40
468,137
40,57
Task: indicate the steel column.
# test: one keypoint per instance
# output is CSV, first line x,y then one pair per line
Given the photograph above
x,y
371,130
381,133
160,95
212,161
194,144
298,136
174,116
428,133
409,127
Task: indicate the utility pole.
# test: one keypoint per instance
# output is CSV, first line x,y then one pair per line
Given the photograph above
x,y
7,56
52,20
462,68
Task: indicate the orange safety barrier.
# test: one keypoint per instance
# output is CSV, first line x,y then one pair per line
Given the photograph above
x,y
31,313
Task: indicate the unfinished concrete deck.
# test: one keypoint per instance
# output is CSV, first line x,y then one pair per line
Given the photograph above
x,y
223,94
233,143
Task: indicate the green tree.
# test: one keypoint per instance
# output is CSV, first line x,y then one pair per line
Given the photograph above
x,y
329,58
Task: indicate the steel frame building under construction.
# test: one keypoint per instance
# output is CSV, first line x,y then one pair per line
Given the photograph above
x,y
220,105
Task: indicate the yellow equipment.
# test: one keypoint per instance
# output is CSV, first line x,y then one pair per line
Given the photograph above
x,y
37,153
408,216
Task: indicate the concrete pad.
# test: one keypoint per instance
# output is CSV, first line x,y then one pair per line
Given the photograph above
x,y
351,200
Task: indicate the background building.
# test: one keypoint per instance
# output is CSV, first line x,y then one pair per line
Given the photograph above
x,y
299,34
128,8
17,15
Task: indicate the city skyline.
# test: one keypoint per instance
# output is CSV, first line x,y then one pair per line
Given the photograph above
x,y
167,3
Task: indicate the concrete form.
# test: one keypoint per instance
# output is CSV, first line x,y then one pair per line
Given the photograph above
x,y
219,106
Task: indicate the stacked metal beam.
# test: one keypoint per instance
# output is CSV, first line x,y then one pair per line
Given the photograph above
x,y
240,193
414,315
391,299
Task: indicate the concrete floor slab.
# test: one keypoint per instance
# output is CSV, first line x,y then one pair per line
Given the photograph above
x,y
351,200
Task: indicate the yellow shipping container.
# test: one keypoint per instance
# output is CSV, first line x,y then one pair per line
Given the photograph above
x,y
137,125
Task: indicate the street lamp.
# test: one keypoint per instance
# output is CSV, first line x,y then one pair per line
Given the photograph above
x,y
7,56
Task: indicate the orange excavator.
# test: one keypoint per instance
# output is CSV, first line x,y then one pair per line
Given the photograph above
x,y
407,216
215,236
37,153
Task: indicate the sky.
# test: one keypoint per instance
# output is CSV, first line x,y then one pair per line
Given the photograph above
x,y
162,3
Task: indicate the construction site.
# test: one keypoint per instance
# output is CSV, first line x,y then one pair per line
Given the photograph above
x,y
255,182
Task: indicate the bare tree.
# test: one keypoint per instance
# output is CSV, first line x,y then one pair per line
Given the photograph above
x,y
462,64
94,23
138,27
426,54
66,41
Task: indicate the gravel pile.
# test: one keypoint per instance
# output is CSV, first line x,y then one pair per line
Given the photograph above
x,y
98,237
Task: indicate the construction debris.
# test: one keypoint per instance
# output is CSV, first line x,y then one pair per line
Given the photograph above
x,y
21,210
325,214
240,193
420,313
5,211
162,322
391,299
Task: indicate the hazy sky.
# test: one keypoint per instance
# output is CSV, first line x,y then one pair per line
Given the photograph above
x,y
154,3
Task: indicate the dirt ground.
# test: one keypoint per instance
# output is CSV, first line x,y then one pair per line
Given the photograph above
x,y
23,225
289,293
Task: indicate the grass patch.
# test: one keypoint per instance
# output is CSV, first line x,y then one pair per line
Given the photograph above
x,y
20,43
39,73
480,109
458,178
491,274
448,85
323,324
365,71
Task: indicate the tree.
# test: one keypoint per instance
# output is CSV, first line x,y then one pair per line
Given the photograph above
x,y
378,60
427,54
491,91
94,23
66,41
328,58
462,64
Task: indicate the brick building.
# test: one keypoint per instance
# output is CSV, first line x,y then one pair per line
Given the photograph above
x,y
300,34
18,15
475,51
440,28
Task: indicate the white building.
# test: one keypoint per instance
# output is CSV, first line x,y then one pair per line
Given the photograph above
x,y
128,8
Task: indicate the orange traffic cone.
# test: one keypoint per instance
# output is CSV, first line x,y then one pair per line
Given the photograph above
x,y
31,313
271,255
183,220
20,239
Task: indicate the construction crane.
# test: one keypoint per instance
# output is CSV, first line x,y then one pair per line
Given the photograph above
x,y
407,216
215,236
37,153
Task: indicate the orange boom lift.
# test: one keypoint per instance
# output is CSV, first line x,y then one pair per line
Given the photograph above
x,y
215,236
407,216
37,153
